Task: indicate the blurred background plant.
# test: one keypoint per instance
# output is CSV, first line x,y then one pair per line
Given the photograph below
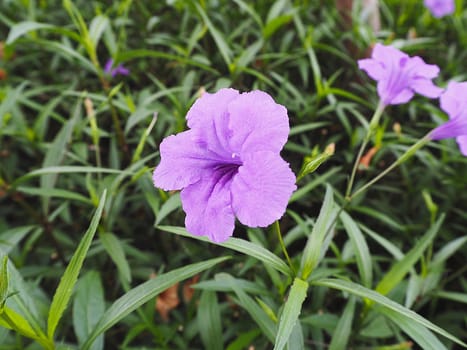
x,y
70,129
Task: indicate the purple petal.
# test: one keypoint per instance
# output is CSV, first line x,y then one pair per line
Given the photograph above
x,y
261,189
184,159
454,100
108,66
372,67
421,69
452,128
210,107
207,204
394,96
462,142
440,8
120,70
426,88
258,123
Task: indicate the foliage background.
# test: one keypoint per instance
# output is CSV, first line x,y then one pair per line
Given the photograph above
x,y
301,52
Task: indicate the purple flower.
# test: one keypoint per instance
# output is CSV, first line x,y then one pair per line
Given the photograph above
x,y
399,76
115,71
454,103
440,8
228,163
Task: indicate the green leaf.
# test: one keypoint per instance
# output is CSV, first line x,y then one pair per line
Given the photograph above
x,y
264,322
115,250
402,267
314,246
146,291
311,163
356,289
241,246
217,36
169,206
416,331
296,340
88,307
292,309
10,238
340,336
54,192
360,248
3,282
209,321
96,28
22,28
67,282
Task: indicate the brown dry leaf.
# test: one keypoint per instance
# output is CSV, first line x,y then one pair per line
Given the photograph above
x,y
2,50
167,301
187,290
366,159
3,74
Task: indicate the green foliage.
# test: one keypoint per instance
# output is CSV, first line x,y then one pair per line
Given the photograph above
x,y
382,270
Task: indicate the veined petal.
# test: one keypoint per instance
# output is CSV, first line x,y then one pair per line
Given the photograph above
x,y
422,69
452,128
387,54
261,189
184,158
258,123
209,107
207,204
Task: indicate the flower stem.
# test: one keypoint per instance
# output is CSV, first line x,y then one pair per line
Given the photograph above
x,y
371,128
407,154
276,227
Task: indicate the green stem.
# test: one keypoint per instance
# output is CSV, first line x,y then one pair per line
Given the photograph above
x,y
277,228
409,153
371,128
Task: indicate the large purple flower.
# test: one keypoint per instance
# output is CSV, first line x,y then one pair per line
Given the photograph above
x,y
399,76
454,103
440,8
228,163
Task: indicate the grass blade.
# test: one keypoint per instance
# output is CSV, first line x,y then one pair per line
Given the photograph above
x,y
136,297
344,326
70,276
241,246
292,309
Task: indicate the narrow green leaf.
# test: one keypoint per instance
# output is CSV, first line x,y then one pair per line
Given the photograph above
x,y
22,28
360,248
340,336
115,250
97,28
314,245
356,289
209,321
169,206
54,192
263,321
136,297
67,282
402,267
88,308
292,309
416,331
10,319
216,35
455,296
240,246
296,340
10,238
3,282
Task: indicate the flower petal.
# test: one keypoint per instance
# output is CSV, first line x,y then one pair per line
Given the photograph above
x,y
184,158
261,189
258,123
454,100
372,67
207,204
452,128
462,142
426,88
403,96
210,107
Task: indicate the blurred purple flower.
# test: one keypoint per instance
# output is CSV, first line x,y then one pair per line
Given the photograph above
x,y
399,76
228,163
114,71
440,8
454,103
